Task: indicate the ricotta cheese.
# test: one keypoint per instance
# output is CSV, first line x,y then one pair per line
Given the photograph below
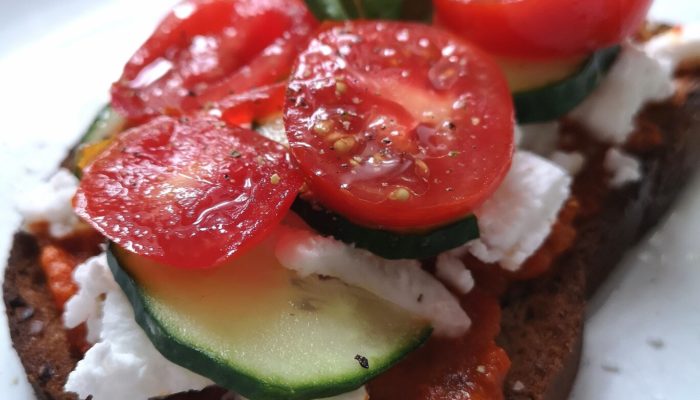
x,y
538,138
51,202
402,282
635,79
519,216
451,270
123,363
624,167
680,44
572,162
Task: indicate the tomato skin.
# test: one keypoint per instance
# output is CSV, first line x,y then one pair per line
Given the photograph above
x,y
189,193
205,50
542,29
392,130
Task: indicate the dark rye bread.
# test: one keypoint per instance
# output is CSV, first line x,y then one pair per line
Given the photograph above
x,y
542,320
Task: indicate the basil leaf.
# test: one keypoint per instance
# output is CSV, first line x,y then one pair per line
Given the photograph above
x,y
383,9
340,10
328,9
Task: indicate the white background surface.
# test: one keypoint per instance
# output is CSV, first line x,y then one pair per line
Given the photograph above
x,y
57,59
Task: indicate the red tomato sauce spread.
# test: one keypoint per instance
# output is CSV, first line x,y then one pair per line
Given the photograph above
x,y
58,259
472,367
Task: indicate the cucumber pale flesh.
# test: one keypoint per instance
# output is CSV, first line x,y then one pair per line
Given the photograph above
x,y
552,101
261,331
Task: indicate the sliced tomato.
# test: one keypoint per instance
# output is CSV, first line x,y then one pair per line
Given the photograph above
x,y
188,193
205,50
255,105
542,28
399,125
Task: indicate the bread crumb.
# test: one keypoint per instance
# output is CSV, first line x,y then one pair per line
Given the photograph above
x,y
481,369
518,386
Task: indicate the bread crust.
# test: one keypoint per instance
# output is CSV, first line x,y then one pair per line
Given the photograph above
x,y
542,320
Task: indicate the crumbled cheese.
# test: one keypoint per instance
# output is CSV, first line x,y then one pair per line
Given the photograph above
x,y
518,386
572,162
93,280
635,79
676,46
51,202
123,364
519,216
538,138
451,270
624,167
402,282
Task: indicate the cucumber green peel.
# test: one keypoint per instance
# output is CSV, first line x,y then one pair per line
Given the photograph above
x,y
263,332
557,99
106,123
340,10
388,244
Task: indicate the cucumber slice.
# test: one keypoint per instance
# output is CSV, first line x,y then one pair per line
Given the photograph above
x,y
388,244
524,75
557,99
258,329
106,124
420,10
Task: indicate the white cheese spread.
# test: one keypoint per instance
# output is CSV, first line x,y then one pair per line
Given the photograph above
x,y
402,282
624,168
519,216
50,202
635,79
451,270
123,363
538,138
572,162
680,44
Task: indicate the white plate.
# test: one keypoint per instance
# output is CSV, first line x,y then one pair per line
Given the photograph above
x,y
57,60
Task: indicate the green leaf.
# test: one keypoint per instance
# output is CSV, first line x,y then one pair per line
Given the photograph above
x,y
328,9
340,10
383,9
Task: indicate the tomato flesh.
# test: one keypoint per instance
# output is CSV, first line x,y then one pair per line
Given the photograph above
x,y
542,28
255,105
398,125
205,50
189,193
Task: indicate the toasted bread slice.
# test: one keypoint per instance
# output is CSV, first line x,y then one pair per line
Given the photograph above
x,y
542,321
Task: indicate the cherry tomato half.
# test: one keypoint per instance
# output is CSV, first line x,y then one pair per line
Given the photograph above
x,y
205,50
542,28
255,105
189,193
398,125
